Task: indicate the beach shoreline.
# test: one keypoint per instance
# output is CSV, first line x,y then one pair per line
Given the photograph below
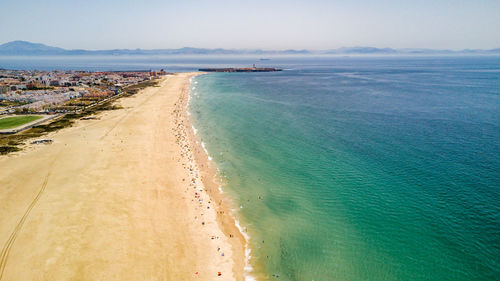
x,y
119,197
224,205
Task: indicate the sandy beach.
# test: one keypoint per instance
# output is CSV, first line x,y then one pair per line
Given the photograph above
x,y
128,196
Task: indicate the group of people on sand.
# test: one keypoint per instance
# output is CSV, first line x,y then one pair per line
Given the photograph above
x,y
188,162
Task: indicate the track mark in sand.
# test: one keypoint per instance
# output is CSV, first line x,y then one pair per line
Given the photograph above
x,y
4,255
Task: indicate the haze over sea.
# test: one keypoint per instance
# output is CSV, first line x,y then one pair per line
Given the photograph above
x,y
350,168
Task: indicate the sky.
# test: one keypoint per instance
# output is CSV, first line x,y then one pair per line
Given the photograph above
x,y
253,24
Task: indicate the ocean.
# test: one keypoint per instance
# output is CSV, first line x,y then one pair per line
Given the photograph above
x,y
349,168
366,168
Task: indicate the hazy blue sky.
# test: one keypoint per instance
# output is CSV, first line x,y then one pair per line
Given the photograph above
x,y
266,24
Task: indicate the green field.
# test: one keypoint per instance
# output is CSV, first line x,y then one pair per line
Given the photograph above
x,y
16,121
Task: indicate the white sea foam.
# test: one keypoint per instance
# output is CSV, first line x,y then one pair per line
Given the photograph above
x,y
248,267
237,223
206,151
249,278
194,130
203,146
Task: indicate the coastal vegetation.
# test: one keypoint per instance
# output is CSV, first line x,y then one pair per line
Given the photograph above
x,y
133,89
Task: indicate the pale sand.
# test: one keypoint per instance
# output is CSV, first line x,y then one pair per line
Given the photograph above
x,y
111,199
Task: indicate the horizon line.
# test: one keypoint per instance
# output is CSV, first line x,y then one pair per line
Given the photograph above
x,y
259,49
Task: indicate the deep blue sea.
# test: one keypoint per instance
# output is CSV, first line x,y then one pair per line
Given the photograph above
x,y
351,168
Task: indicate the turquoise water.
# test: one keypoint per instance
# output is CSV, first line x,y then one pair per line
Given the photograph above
x,y
362,168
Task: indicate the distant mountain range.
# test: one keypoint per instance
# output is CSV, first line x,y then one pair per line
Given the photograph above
x,y
24,48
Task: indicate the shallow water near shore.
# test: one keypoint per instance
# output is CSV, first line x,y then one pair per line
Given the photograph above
x,y
361,168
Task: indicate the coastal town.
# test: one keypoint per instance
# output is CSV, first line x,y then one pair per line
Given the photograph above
x,y
34,103
49,92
